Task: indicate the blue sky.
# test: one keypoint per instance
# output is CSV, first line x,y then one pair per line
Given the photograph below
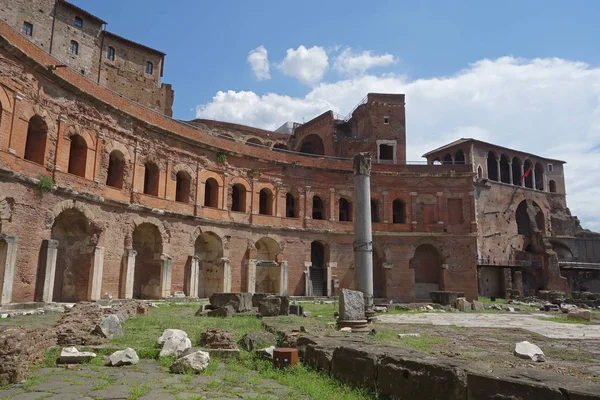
x,y
521,74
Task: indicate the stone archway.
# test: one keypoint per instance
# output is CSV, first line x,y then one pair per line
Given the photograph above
x,y
268,269
212,271
147,275
379,287
427,266
318,268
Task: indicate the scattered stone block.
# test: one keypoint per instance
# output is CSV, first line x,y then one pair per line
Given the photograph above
x,y
382,309
3,316
296,309
580,313
529,351
179,295
285,305
174,342
477,305
550,307
215,338
123,357
221,312
254,340
109,326
241,302
70,355
445,298
352,305
346,329
258,297
266,353
566,307
405,335
428,308
270,306
511,309
306,314
195,362
462,304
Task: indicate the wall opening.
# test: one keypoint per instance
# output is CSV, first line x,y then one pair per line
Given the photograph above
x,y
448,159
427,265
516,171
265,205
552,185
318,272
280,146
116,169
183,183
528,168
35,144
312,144
539,176
209,250
386,152
492,166
459,157
345,210
147,242
505,171
317,208
378,274
254,141
238,198
211,193
151,179
455,212
479,172
267,268
398,212
290,206
77,156
374,210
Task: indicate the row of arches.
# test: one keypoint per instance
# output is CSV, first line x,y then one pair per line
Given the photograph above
x,y
449,158
516,172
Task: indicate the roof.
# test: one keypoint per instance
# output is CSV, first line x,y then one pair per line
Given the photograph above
x,y
115,36
82,11
471,140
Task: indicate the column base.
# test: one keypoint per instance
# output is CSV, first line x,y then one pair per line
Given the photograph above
x,y
358,325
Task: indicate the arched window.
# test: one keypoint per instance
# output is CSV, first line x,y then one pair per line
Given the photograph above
x,y
254,141
116,169
78,22
492,167
290,206
151,179
35,144
317,208
479,172
265,206
238,198
313,144
374,210
280,146
74,47
459,157
516,171
149,67
552,185
448,159
436,162
211,193
398,212
110,53
528,173
539,176
78,156
345,210
505,171
182,187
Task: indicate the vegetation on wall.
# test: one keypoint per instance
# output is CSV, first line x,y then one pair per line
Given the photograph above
x,y
45,183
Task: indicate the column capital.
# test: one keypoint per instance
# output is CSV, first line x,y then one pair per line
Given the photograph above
x,y
52,244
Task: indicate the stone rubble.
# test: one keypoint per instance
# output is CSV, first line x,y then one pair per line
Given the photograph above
x,y
123,357
214,338
109,326
579,313
529,351
70,355
462,304
254,340
174,342
266,353
195,362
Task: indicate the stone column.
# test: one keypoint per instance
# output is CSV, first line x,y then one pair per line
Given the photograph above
x,y
533,177
499,172
201,282
129,274
95,280
52,253
363,237
307,281
8,258
510,175
333,216
226,275
192,283
283,278
522,173
329,275
251,284
166,267
387,207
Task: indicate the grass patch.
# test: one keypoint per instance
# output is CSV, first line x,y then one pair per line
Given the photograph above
x,y
566,320
138,391
425,342
102,385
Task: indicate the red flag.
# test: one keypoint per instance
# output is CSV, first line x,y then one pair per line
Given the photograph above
x,y
526,174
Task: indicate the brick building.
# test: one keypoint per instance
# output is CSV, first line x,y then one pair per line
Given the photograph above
x,y
101,195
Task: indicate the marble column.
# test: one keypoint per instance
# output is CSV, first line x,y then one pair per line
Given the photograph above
x,y
499,174
363,236
283,278
128,274
510,175
522,173
251,284
8,258
307,281
51,254
95,280
191,286
533,178
166,268
226,269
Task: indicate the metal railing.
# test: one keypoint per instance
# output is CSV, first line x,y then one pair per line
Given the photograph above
x,y
349,115
504,262
578,265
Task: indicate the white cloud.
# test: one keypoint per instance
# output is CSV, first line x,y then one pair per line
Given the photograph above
x,y
259,61
306,65
350,63
549,107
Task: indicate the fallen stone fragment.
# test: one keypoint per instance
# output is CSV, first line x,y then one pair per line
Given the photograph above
x,y
221,312
580,313
195,362
462,304
266,353
511,309
174,342
529,351
565,308
352,305
346,329
123,357
477,305
214,338
428,307
3,316
179,295
306,314
270,306
381,309
259,339
404,335
109,326
550,307
70,355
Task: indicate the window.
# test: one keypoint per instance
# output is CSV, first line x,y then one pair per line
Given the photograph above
x,y
27,29
455,212
345,212
35,144
290,206
386,120
265,205
182,187
149,67
398,212
78,156
238,198
116,168
317,208
78,22
110,53
74,48
151,179
374,211
386,152
211,193
550,167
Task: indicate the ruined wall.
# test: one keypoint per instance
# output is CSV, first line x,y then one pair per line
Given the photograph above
x,y
40,13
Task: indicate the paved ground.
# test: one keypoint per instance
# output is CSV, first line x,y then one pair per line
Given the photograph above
x,y
145,381
530,322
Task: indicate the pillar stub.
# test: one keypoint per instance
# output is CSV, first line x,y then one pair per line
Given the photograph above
x,y
413,194
12,151
19,96
362,164
62,118
52,244
332,190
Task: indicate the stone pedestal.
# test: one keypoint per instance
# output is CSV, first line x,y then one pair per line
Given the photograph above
x,y
95,280
8,258
52,253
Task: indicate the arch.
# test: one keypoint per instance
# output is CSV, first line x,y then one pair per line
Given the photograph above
x,y
312,144
116,169
255,141
318,268
528,167
318,208
398,211
5,101
563,252
162,229
6,210
280,146
265,204
151,178
208,247
58,208
267,249
35,143
539,176
211,193
436,162
529,218
492,166
459,157
374,210
183,183
552,186
291,209
344,210
479,172
427,265
147,242
505,171
379,286
516,171
77,238
268,272
78,156
448,159
238,197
